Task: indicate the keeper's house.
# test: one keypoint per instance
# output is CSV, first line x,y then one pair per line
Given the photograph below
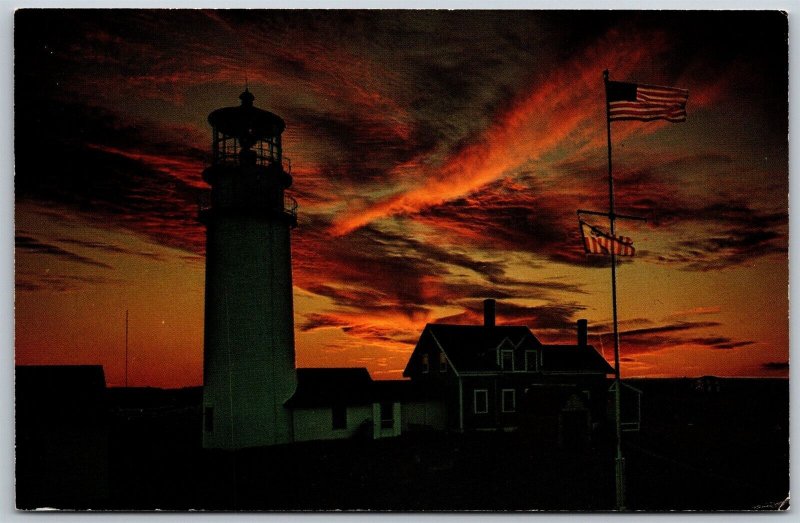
x,y
489,377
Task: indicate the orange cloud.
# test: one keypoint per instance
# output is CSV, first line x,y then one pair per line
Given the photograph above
x,y
562,115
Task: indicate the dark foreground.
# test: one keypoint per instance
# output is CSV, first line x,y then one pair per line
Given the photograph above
x,y
697,450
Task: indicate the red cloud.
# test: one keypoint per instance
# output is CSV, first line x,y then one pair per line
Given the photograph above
x,y
563,115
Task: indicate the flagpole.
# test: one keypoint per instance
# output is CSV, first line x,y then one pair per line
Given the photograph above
x,y
126,348
619,461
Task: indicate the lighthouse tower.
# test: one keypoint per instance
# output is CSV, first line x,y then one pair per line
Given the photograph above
x,y
249,359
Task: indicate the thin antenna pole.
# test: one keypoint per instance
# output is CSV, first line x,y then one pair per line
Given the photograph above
x,y
126,348
619,461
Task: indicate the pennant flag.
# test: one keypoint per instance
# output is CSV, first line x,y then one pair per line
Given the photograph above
x,y
645,102
597,241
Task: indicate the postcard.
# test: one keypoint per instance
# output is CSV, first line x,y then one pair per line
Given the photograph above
x,y
401,260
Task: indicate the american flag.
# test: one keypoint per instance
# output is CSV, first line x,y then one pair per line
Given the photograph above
x,y
628,101
597,241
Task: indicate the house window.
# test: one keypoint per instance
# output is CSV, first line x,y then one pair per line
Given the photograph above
x,y
509,400
339,417
387,414
507,361
208,419
442,362
425,364
530,360
481,403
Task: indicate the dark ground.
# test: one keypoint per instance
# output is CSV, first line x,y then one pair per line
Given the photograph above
x,y
725,450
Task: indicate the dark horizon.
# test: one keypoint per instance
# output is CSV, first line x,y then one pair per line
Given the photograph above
x,y
148,456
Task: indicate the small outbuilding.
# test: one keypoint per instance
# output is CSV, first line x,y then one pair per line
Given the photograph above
x,y
340,403
62,436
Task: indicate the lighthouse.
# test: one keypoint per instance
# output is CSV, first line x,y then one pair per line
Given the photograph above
x,y
249,359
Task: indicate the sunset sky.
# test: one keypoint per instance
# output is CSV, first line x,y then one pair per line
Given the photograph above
x,y
438,159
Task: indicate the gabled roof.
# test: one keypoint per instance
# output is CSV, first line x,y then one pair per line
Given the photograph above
x,y
472,347
326,387
321,387
573,358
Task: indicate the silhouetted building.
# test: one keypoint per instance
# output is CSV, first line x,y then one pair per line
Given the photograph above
x,y
481,377
62,436
249,357
339,403
707,385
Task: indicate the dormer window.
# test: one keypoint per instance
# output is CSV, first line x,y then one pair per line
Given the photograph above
x,y
442,362
425,364
507,360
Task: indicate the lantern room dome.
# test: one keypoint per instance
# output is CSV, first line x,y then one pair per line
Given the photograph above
x,y
247,120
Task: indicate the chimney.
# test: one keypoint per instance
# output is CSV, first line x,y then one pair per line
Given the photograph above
x,y
488,312
583,333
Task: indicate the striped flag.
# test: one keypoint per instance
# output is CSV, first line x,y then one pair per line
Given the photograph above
x,y
645,102
597,241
